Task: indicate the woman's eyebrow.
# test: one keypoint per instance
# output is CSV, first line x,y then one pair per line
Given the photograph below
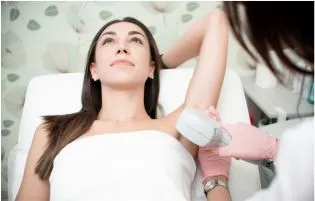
x,y
109,33
129,33
135,32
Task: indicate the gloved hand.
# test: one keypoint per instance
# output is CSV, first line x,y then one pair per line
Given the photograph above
x,y
213,165
247,142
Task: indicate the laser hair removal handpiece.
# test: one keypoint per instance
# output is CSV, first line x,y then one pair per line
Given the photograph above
x,y
201,129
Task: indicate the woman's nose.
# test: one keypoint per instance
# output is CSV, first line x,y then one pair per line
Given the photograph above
x,y
122,48
122,51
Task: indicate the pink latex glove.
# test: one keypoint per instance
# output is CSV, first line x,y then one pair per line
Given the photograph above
x,y
248,142
213,165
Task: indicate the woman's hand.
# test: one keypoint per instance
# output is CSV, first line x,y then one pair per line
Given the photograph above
x,y
189,44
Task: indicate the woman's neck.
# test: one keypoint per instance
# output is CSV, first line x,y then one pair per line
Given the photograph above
x,y
121,105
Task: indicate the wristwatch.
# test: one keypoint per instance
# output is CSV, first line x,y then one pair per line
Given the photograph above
x,y
212,183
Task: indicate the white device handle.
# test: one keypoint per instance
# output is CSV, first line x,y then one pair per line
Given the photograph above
x,y
200,129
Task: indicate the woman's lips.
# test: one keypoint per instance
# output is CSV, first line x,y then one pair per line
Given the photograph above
x,y
122,62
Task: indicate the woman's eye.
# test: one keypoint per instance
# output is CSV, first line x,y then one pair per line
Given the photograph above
x,y
108,41
136,40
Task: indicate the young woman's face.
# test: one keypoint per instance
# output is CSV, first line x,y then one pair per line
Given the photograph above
x,y
122,56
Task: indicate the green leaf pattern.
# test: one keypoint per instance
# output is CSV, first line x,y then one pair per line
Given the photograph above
x,y
14,14
51,11
104,15
191,6
7,123
13,77
186,18
33,25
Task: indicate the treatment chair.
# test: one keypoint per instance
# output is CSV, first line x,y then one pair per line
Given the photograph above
x,y
61,94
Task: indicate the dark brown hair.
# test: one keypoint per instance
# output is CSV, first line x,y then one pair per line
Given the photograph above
x,y
64,129
274,26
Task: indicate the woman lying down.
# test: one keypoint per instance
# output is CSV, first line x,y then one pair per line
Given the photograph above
x,y
115,148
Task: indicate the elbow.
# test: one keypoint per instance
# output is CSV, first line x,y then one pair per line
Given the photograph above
x,y
217,18
218,15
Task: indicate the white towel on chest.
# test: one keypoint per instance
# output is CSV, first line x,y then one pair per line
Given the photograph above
x,y
139,165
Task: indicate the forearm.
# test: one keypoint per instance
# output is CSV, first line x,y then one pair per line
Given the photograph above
x,y
209,73
188,45
219,193
205,85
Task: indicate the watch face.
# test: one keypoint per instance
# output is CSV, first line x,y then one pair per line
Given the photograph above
x,y
209,185
213,183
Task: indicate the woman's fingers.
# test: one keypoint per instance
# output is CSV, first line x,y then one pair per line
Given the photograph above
x,y
213,113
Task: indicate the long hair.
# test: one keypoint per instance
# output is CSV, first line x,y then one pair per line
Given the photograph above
x,y
63,129
274,26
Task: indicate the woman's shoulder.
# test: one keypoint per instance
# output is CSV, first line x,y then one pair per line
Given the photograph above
x,y
159,124
31,183
41,134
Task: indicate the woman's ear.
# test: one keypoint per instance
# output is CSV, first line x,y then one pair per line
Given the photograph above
x,y
93,71
152,68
